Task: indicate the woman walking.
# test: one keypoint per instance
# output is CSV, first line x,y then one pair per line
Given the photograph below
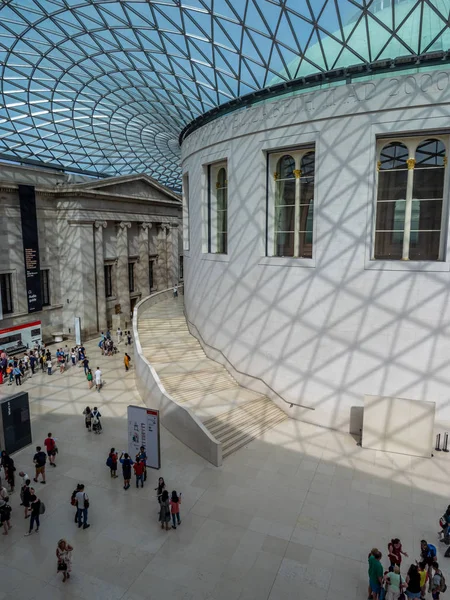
x,y
127,463
5,514
8,466
413,582
88,418
111,462
64,558
175,502
164,510
126,361
89,378
160,489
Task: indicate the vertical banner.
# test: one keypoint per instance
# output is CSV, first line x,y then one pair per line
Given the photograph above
x,y
77,328
30,247
143,430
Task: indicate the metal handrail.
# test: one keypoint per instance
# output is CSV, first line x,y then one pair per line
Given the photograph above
x,y
291,404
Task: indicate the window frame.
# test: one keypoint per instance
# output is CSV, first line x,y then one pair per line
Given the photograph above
x,y
186,212
108,267
7,275
273,157
46,278
412,143
213,242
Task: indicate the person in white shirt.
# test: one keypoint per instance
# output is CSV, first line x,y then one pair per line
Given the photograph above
x,y
82,502
119,335
24,477
49,367
98,379
175,291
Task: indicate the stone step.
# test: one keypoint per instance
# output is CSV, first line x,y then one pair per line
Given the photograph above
x,y
247,437
233,414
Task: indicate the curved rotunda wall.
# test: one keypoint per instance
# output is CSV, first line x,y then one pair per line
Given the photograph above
x,y
322,331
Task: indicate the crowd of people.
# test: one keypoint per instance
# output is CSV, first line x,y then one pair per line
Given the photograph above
x,y
423,575
21,368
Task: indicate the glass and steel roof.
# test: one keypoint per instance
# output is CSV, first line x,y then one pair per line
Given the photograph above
x,y
106,86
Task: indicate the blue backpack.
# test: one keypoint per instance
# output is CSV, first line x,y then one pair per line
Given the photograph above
x,y
109,462
431,551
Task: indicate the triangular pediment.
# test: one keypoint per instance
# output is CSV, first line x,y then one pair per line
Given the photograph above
x,y
137,186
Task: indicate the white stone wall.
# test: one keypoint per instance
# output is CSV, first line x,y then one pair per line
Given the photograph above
x,y
321,332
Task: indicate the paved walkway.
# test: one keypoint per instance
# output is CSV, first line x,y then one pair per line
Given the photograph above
x,y
293,515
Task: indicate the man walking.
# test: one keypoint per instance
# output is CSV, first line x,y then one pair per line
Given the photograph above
x,y
32,364
82,502
39,460
50,444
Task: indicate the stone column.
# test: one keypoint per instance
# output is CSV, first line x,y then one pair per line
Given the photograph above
x,y
143,265
173,255
122,291
99,226
162,266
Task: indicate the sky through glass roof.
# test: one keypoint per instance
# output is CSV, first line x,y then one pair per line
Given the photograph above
x,y
106,86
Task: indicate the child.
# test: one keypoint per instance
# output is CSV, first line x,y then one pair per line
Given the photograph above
x,y
112,462
423,572
175,502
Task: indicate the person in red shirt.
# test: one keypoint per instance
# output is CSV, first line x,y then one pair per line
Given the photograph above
x,y
50,445
139,469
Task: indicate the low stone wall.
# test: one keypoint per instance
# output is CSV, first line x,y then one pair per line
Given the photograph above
x,y
179,420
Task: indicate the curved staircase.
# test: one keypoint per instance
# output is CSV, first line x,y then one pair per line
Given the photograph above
x,y
233,414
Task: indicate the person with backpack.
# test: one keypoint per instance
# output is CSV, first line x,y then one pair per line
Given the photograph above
x,y
73,500
82,503
50,445
142,456
428,555
111,462
126,463
438,584
37,509
88,418
96,423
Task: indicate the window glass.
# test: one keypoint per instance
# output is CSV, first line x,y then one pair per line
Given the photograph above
x,y
410,201
292,205
222,216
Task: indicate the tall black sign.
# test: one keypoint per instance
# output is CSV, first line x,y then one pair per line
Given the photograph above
x,y
15,423
30,247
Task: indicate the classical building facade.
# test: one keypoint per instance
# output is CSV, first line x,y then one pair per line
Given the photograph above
x,y
103,245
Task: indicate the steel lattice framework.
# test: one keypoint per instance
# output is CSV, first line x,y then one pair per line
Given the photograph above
x,y
106,86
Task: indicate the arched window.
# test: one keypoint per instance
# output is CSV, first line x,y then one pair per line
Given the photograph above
x,y
427,200
285,207
391,201
290,219
222,207
409,201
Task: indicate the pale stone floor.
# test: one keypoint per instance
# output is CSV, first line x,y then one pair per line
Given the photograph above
x,y
293,515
